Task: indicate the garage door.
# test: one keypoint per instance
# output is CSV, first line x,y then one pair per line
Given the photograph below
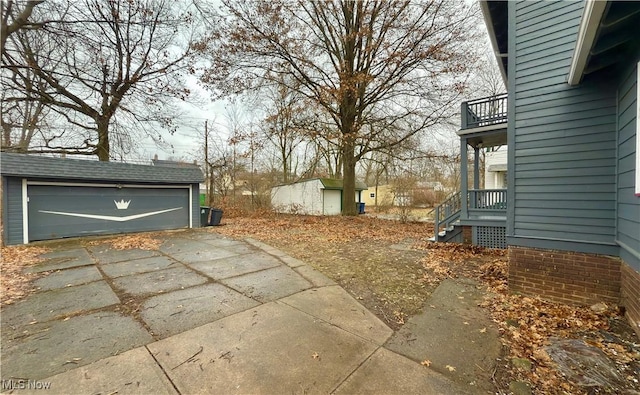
x,y
65,211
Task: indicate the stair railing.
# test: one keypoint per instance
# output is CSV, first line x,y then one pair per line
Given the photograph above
x,y
447,212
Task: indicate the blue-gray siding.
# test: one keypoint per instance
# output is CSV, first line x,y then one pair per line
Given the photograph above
x,y
628,205
12,216
562,140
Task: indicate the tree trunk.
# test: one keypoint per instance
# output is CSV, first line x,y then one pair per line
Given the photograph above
x,y
349,180
102,148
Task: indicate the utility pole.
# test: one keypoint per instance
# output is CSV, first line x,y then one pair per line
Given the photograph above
x,y
206,162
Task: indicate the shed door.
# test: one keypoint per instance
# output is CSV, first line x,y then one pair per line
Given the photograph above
x,y
332,202
64,211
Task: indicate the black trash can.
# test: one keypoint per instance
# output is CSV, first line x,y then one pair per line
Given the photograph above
x,y
216,217
205,213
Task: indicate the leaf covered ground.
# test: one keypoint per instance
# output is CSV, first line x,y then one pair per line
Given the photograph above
x,y
392,268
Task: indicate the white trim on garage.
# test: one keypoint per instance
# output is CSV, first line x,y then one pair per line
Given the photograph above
x,y
25,212
81,184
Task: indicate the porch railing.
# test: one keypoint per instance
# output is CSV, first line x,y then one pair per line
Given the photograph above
x,y
484,112
447,212
481,204
488,199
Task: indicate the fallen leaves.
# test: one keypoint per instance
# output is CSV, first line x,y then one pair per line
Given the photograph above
x,y
450,368
16,284
359,254
317,229
142,241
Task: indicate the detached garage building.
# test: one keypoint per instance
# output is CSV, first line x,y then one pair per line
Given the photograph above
x,y
50,198
317,196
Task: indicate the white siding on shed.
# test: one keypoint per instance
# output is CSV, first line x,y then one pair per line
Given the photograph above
x,y
299,198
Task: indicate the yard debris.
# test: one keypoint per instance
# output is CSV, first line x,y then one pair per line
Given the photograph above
x,y
357,254
142,241
15,283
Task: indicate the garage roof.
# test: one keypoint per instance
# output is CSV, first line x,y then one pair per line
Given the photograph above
x,y
330,183
31,166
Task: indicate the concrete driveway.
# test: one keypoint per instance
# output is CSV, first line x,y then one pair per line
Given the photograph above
x,y
202,314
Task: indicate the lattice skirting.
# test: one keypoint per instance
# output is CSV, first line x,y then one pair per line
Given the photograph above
x,y
490,236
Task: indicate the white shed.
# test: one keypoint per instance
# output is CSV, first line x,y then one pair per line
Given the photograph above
x,y
317,196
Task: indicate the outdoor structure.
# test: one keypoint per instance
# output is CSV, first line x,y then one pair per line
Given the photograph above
x,y
50,198
495,168
573,200
317,196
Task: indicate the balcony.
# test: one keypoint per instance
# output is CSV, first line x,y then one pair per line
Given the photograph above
x,y
484,121
484,112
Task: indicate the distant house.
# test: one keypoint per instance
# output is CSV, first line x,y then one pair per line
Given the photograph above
x,y
570,212
495,169
317,196
381,195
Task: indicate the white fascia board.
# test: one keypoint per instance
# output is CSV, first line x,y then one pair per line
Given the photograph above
x,y
591,17
484,6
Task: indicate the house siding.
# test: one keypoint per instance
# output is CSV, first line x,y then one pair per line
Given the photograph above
x,y
12,215
563,142
628,205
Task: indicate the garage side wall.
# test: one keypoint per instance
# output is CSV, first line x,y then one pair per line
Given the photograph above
x,y
195,206
300,198
12,210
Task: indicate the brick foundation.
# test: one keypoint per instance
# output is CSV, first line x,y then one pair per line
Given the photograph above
x,y
467,235
567,277
630,296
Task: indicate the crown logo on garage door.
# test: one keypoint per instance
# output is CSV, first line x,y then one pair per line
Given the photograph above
x,y
122,205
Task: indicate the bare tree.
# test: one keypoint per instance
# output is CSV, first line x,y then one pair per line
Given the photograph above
x,y
399,65
14,19
108,66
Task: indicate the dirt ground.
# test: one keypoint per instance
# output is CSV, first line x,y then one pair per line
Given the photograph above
x,y
392,269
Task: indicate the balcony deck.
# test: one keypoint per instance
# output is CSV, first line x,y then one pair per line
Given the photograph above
x,y
484,121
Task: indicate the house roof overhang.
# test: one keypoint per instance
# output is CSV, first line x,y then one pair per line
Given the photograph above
x,y
495,15
486,136
606,35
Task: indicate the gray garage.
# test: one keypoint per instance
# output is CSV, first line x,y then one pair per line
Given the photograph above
x,y
49,198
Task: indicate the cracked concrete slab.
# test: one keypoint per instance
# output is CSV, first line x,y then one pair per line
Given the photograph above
x,y
470,344
48,305
203,253
159,281
270,284
236,265
58,346
143,265
335,305
68,277
408,376
272,348
132,372
106,254
178,311
62,259
312,275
